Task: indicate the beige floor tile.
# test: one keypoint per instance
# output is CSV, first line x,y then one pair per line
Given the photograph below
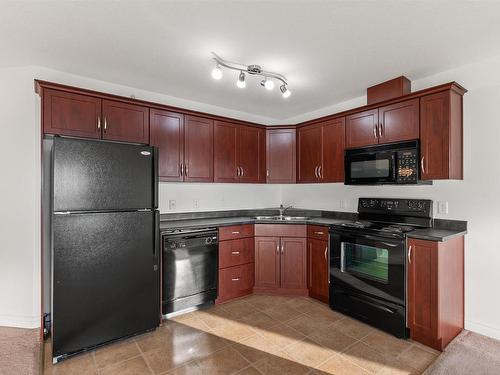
x,y
261,344
251,354
280,335
282,366
308,353
134,366
250,370
213,317
353,328
190,368
323,313
385,343
239,308
397,367
233,331
224,362
261,301
82,364
115,353
282,312
308,325
180,329
333,339
195,323
365,357
154,340
340,366
417,358
207,344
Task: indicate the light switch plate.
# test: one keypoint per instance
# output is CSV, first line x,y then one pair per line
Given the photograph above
x,y
196,203
343,203
172,204
442,207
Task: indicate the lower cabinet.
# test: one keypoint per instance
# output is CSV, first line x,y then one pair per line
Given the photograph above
x,y
281,262
318,268
435,291
235,282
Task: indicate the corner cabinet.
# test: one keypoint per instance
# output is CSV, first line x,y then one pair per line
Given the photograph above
x,y
435,290
280,156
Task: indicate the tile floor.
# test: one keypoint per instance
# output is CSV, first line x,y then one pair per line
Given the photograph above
x,y
255,335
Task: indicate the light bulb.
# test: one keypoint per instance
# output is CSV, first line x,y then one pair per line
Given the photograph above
x,y
268,84
217,72
241,81
284,91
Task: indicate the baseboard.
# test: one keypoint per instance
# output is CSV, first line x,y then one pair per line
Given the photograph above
x,y
20,321
483,329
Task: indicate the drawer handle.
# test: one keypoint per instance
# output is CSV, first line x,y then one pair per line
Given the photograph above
x,y
235,252
235,232
235,279
319,232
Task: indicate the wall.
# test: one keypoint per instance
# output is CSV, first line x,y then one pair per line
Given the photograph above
x,y
474,199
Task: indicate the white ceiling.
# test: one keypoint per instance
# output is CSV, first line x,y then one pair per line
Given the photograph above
x,y
330,51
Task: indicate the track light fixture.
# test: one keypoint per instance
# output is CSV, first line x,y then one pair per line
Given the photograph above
x,y
256,70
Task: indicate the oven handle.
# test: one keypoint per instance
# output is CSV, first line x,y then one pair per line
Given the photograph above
x,y
342,258
369,237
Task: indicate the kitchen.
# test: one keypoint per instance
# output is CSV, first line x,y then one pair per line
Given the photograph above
x,y
231,172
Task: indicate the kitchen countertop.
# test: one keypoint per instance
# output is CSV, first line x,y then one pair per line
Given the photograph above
x,y
443,230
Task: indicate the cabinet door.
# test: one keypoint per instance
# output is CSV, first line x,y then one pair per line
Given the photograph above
x,y
399,121
361,129
235,282
309,139
422,289
198,149
332,169
167,133
441,136
71,114
125,122
318,269
293,263
281,151
249,153
267,262
225,152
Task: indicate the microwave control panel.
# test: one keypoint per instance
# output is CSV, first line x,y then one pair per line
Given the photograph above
x,y
407,168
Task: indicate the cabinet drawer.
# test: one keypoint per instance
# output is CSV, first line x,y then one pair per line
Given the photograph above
x,y
235,281
318,232
236,252
235,231
280,230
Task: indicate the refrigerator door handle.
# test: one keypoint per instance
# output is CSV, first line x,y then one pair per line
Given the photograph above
x,y
156,234
156,178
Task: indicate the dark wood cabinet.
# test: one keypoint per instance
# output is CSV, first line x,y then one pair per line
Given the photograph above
x,y
235,282
321,151
76,115
239,153
361,129
226,149
167,133
198,149
318,269
435,290
309,139
125,122
441,135
267,262
399,121
281,151
293,263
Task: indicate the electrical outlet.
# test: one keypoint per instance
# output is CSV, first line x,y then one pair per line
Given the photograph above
x,y
343,203
196,203
172,204
443,207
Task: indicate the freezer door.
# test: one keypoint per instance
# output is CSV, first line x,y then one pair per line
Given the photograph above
x,y
106,278
102,176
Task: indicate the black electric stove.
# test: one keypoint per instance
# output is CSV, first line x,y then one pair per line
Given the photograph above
x,y
368,261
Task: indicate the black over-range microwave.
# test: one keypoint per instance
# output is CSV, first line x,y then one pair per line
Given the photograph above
x,y
395,163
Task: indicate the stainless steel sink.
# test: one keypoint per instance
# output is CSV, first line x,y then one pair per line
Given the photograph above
x,y
282,218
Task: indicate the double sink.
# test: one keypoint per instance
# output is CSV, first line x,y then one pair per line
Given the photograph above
x,y
282,218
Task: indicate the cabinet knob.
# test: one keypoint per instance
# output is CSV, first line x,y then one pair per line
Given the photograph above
x,y
235,279
319,232
235,252
235,232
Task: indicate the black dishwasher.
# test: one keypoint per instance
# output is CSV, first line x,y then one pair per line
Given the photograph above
x,y
190,267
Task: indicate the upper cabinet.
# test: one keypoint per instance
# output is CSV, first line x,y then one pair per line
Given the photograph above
x,y
320,149
71,114
239,153
441,135
67,113
198,149
392,123
281,151
125,122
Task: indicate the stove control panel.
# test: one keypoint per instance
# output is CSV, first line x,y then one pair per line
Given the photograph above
x,y
396,206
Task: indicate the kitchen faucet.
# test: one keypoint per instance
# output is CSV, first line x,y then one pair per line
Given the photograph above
x,y
283,209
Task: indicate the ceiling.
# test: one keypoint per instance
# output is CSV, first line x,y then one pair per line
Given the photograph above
x,y
330,51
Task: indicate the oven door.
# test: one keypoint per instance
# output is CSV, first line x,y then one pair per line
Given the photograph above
x,y
367,264
370,168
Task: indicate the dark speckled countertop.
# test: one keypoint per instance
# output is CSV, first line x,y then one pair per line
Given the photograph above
x,y
443,230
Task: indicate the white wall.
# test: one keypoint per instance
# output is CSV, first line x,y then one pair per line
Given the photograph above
x,y
475,199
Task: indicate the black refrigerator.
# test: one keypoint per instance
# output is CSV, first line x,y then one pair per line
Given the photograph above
x,y
105,243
